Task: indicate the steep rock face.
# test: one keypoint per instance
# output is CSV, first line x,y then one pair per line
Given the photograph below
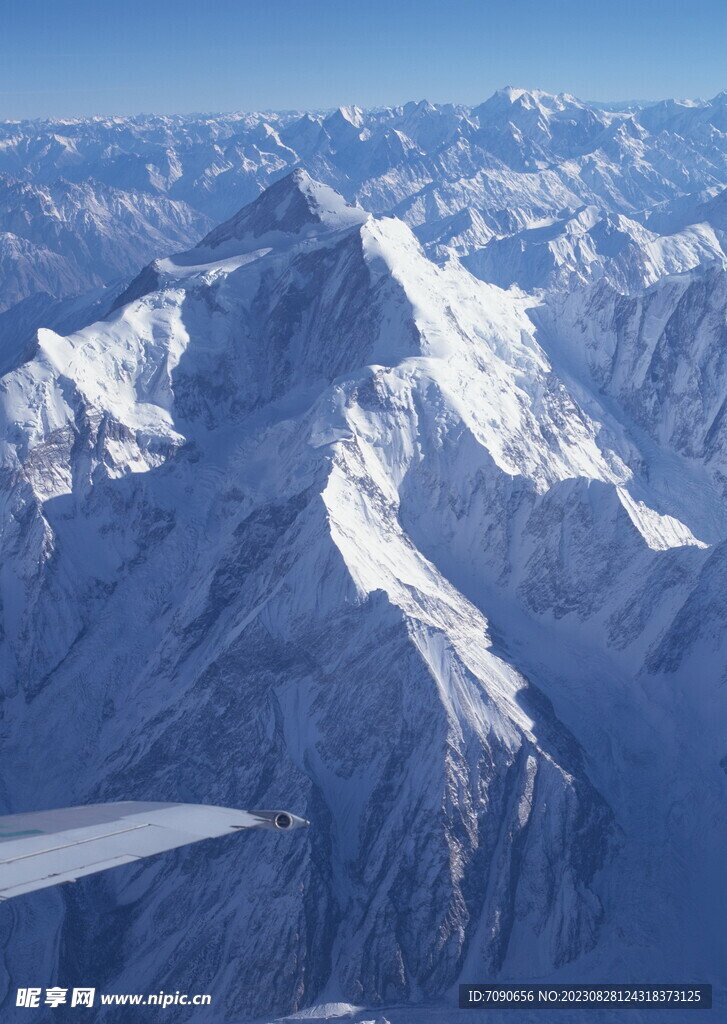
x,y
659,354
309,520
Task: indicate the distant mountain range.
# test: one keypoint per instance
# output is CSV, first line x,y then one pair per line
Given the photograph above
x,y
84,202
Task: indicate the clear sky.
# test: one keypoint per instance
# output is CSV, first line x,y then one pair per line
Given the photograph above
x,y
82,57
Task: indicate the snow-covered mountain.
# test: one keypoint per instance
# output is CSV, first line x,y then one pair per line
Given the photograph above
x,y
309,514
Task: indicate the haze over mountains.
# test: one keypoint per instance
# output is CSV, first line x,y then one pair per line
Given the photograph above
x,y
397,497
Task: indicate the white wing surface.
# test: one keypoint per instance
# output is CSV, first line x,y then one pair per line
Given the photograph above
x,y
45,848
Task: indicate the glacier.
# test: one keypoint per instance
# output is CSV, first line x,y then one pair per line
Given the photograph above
x,y
397,497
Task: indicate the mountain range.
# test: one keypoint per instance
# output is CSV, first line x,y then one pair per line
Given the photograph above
x,y
528,185
371,463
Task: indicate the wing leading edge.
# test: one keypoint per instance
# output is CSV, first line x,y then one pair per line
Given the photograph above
x,y
45,848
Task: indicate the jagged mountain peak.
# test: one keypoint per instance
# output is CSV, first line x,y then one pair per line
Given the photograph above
x,y
419,106
293,205
352,114
511,96
534,106
515,95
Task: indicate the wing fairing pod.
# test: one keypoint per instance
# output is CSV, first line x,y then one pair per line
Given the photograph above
x,y
281,821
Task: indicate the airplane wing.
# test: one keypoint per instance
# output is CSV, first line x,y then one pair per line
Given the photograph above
x,y
45,848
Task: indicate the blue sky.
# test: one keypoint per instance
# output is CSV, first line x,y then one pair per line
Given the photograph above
x,y
81,57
